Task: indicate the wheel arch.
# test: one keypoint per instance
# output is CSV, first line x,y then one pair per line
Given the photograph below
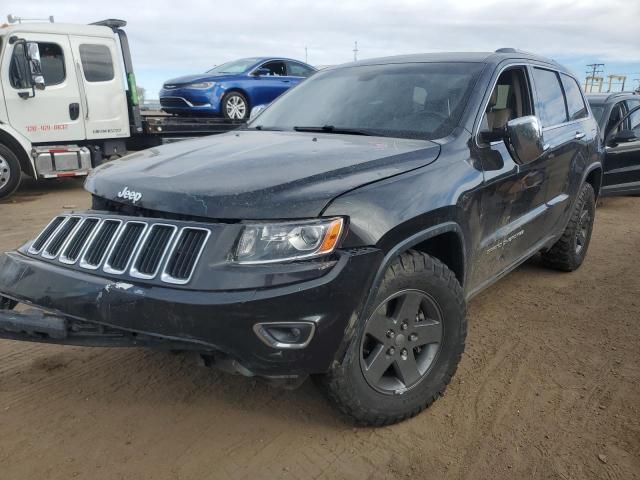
x,y
16,147
431,241
239,90
594,178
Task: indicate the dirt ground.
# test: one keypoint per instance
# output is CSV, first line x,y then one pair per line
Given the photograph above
x,y
549,388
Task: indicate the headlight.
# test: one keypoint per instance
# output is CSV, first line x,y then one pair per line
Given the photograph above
x,y
281,242
201,85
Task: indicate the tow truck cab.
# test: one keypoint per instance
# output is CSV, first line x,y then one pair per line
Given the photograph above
x,y
66,102
69,101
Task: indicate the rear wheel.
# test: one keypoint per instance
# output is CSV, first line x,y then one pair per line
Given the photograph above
x,y
404,355
9,172
235,106
568,253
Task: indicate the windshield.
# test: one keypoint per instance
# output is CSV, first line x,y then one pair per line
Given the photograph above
x,y
411,100
237,66
597,109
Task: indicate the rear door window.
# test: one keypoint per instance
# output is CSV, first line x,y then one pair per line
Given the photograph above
x,y
97,64
295,69
575,101
551,103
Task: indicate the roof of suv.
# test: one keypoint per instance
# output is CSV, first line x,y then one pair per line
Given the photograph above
x,y
608,97
483,57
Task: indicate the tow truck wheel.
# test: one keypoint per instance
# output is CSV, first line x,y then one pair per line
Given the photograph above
x,y
235,106
9,172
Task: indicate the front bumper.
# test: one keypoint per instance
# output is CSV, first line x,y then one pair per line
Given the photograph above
x,y
205,321
190,101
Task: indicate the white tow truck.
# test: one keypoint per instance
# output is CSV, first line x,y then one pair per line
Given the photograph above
x,y
69,102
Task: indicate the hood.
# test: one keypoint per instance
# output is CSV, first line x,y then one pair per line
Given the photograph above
x,y
255,175
199,77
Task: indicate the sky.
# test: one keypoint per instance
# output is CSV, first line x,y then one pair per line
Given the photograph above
x,y
170,39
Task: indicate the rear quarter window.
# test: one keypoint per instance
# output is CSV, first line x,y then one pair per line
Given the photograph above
x,y
550,102
575,101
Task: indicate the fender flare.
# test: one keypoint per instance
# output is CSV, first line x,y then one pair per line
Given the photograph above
x,y
391,255
594,166
19,146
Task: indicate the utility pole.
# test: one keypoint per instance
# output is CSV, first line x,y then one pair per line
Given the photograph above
x,y
306,56
594,68
355,51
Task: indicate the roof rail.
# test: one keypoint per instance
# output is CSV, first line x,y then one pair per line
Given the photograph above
x,y
511,50
112,23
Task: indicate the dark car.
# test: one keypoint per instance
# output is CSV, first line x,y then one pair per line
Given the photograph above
x,y
234,88
618,115
339,235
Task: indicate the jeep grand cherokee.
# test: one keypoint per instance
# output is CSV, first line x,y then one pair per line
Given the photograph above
x,y
339,235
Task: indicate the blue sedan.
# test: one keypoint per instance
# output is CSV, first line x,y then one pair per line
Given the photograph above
x,y
233,88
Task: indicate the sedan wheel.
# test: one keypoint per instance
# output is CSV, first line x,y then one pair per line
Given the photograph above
x,y
235,107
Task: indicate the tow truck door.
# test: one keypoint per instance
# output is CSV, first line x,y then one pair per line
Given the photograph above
x,y
101,82
52,114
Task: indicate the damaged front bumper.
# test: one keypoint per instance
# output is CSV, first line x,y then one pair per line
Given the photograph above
x,y
78,308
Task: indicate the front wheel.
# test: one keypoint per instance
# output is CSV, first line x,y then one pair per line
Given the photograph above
x,y
403,356
9,172
235,106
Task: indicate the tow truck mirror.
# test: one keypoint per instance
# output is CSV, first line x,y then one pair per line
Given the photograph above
x,y
524,139
35,65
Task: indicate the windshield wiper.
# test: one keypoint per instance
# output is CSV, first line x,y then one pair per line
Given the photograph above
x,y
332,129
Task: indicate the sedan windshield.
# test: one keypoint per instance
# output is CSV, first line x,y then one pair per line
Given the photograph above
x,y
411,100
237,66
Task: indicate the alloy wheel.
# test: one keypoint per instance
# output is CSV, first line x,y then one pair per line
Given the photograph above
x,y
5,173
582,232
236,107
401,341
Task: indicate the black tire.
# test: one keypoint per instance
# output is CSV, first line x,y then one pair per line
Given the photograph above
x,y
568,253
347,385
10,172
228,103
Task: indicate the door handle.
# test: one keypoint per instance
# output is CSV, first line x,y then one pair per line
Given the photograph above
x,y
285,81
580,135
74,111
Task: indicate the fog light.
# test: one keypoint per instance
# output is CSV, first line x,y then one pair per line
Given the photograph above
x,y
285,334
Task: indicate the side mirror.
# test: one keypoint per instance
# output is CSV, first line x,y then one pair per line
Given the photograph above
x,y
35,66
624,136
257,110
261,72
524,139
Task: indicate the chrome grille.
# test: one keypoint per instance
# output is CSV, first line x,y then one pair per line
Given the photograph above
x,y
46,234
53,246
143,248
153,250
74,247
122,250
185,255
99,244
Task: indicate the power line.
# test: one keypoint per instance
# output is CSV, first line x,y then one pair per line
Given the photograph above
x,y
594,69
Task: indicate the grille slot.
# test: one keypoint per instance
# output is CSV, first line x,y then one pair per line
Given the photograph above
x,y
46,234
185,255
95,253
53,247
72,251
153,250
121,253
